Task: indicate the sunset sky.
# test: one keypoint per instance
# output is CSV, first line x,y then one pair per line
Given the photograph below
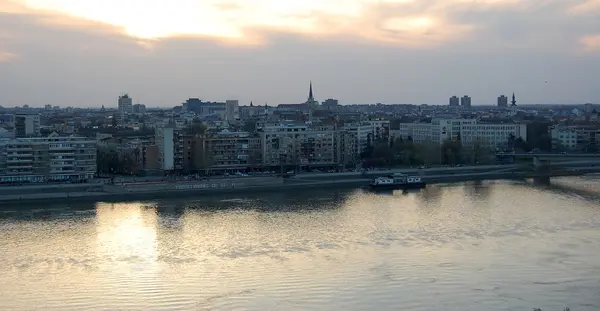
x,y
161,52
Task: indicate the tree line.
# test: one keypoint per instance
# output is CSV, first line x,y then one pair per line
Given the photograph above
x,y
407,152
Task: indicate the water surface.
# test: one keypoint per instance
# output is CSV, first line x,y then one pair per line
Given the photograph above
x,y
489,246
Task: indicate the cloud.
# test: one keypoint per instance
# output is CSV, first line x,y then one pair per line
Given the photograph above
x,y
585,7
7,56
401,51
591,43
405,22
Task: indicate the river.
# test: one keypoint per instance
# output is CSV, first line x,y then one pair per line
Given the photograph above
x,y
472,246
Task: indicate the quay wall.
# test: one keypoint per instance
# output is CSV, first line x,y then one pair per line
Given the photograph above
x,y
157,190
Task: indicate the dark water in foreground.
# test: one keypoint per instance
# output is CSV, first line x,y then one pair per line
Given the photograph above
x,y
492,246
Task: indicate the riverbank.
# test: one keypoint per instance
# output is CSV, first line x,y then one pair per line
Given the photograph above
x,y
163,190
193,190
135,191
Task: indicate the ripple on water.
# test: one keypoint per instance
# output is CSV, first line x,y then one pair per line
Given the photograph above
x,y
503,246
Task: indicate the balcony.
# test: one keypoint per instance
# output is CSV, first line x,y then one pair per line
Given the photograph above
x,y
27,162
19,148
19,155
64,147
19,167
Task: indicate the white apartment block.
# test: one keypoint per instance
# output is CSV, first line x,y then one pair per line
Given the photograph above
x,y
574,137
469,130
564,136
366,132
45,159
165,142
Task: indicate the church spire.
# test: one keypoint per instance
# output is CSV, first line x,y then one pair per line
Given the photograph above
x,y
311,98
513,101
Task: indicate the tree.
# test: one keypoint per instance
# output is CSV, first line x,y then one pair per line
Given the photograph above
x,y
478,153
451,152
196,128
249,126
382,153
511,141
428,153
368,150
521,144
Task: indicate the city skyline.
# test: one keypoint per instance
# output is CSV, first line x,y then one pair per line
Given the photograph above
x,y
394,52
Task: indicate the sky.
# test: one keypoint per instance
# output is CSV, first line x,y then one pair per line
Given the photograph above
x,y
87,53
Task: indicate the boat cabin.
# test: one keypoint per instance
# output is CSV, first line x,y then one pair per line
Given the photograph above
x,y
397,178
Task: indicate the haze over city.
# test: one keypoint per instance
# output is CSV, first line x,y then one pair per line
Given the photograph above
x,y
86,53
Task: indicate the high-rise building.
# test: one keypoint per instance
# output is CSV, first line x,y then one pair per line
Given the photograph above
x,y
27,125
165,142
454,101
502,101
125,107
465,101
232,110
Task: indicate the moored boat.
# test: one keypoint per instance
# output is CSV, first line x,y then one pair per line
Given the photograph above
x,y
397,181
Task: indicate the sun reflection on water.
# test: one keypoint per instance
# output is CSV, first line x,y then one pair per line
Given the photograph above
x,y
126,236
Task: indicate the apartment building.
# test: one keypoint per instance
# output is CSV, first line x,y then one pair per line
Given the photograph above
x,y
368,132
347,150
470,131
362,133
169,142
27,125
44,159
298,145
125,108
575,137
233,150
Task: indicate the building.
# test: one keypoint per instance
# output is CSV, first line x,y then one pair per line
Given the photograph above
x,y
139,109
502,101
232,110
165,143
331,104
250,112
27,125
454,101
465,101
125,106
298,146
233,151
148,158
204,109
362,132
576,137
45,159
368,133
469,131
348,156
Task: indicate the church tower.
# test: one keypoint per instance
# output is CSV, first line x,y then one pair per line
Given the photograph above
x,y
311,98
310,103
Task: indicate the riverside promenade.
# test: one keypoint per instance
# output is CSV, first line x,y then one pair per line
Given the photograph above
x,y
147,189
